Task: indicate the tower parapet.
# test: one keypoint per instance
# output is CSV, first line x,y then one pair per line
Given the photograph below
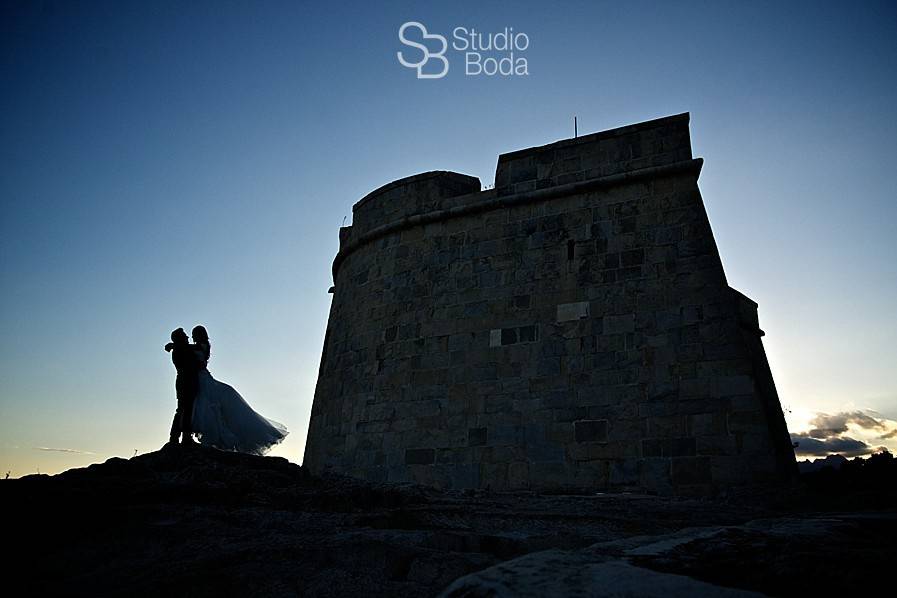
x,y
411,196
660,142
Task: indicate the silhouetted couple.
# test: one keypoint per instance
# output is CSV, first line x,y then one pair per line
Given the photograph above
x,y
213,410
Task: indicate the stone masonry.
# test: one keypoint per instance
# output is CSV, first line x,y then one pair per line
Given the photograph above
x,y
570,329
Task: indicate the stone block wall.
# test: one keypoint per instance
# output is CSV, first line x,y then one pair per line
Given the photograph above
x,y
571,329
626,149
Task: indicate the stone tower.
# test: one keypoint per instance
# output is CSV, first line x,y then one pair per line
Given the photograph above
x,y
571,328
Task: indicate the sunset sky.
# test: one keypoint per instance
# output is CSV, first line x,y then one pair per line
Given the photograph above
x,y
166,164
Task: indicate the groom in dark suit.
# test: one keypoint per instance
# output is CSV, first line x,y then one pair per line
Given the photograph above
x,y
187,364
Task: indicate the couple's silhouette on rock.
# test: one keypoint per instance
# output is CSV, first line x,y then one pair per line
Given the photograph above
x,y
213,410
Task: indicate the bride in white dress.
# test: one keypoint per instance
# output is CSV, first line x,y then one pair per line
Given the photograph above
x,y
222,419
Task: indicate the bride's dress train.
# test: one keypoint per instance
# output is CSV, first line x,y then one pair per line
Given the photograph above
x,y
222,419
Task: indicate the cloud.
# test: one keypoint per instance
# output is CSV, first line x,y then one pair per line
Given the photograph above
x,y
828,426
62,450
827,434
849,447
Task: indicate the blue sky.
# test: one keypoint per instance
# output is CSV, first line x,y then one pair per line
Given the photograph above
x,y
167,164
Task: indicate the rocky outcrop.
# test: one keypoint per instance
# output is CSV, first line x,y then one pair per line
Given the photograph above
x,y
207,523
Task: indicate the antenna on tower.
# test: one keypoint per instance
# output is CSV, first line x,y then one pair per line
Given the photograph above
x,y
575,128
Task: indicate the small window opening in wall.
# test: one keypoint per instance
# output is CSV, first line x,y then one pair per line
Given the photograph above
x,y
571,249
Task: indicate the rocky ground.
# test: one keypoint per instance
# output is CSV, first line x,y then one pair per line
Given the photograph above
x,y
207,523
